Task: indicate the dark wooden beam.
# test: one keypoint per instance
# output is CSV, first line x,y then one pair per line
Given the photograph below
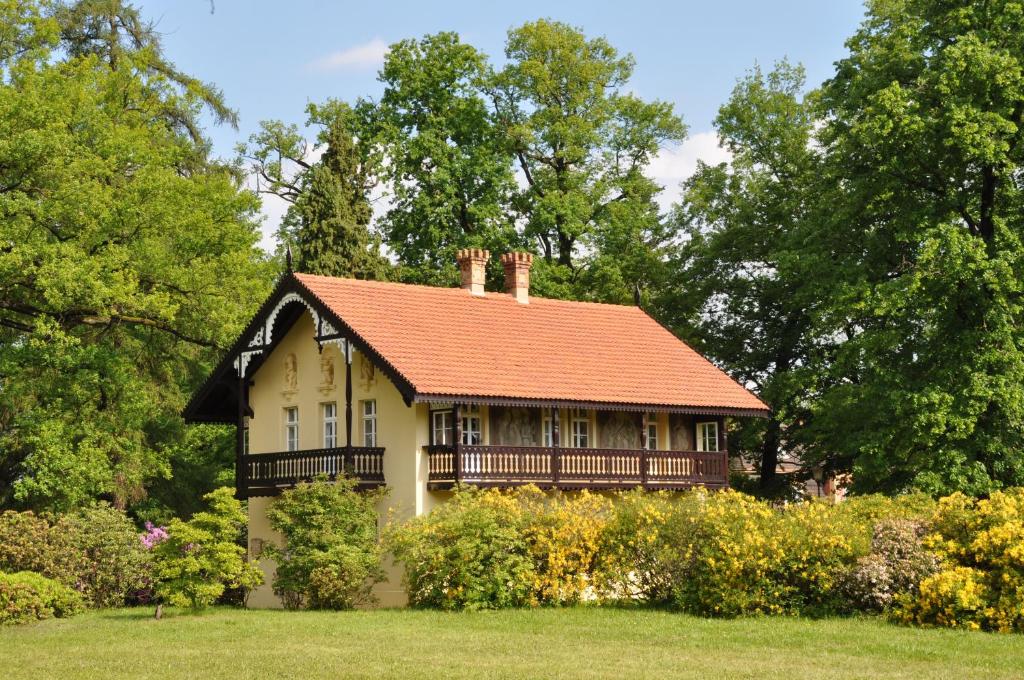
x,y
348,405
457,441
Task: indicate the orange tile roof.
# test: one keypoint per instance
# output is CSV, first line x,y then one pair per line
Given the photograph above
x,y
446,342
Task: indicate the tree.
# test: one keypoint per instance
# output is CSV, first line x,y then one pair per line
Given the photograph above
x,y
742,292
581,143
923,259
124,253
327,223
449,176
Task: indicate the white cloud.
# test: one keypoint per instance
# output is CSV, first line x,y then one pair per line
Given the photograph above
x,y
365,56
674,165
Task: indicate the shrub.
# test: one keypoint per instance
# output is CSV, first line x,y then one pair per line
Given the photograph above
x,y
94,550
28,543
981,584
331,558
631,561
26,596
202,557
563,536
118,562
468,553
897,564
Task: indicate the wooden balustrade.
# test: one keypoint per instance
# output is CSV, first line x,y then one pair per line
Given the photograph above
x,y
267,473
576,468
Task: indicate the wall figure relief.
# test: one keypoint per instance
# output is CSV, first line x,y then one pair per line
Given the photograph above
x,y
291,373
367,373
327,370
681,432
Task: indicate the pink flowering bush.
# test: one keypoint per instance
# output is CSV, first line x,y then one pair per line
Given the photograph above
x,y
152,535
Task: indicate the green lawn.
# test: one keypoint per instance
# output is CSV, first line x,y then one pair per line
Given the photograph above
x,y
569,643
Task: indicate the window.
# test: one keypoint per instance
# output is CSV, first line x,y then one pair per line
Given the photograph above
x,y
441,427
370,422
471,429
330,410
245,436
548,431
652,431
291,428
580,428
707,436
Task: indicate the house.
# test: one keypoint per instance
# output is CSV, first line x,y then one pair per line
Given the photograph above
x,y
420,388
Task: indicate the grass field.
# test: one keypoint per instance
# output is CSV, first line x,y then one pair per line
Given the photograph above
x,y
569,643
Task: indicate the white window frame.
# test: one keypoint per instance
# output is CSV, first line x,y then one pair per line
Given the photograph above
x,y
329,413
441,427
581,429
472,425
369,415
291,428
548,430
707,431
652,431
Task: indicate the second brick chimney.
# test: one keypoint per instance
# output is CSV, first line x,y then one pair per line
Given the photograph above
x,y
473,267
517,275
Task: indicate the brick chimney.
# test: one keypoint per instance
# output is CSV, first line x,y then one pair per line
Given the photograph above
x,y
517,275
473,266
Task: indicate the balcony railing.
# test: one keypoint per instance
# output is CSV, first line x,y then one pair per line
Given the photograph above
x,y
571,468
267,473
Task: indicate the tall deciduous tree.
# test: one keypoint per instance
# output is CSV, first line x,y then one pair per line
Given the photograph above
x,y
124,253
924,263
448,173
742,291
581,142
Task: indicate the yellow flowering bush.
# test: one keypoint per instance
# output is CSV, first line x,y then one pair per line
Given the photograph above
x,y
563,534
487,549
981,584
631,562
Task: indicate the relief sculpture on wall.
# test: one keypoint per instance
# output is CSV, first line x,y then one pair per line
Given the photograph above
x,y
327,370
291,376
681,432
367,373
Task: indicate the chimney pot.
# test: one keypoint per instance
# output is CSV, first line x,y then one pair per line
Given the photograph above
x,y
473,267
517,275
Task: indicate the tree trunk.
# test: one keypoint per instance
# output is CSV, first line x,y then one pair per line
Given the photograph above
x,y
770,455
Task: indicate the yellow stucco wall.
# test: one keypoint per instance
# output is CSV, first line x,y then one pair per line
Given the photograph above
x,y
401,430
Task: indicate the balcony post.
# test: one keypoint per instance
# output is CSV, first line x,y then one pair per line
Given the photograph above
x,y
643,450
241,492
723,444
556,452
348,406
457,442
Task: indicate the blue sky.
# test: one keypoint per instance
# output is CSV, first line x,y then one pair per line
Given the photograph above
x,y
273,57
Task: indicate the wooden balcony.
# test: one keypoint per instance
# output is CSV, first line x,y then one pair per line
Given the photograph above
x,y
569,468
266,474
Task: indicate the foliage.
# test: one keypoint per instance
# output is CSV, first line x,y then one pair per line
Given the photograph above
x,y
449,175
328,188
94,550
633,552
202,557
896,566
467,553
26,596
29,543
128,253
741,291
563,535
116,562
921,261
330,558
981,584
